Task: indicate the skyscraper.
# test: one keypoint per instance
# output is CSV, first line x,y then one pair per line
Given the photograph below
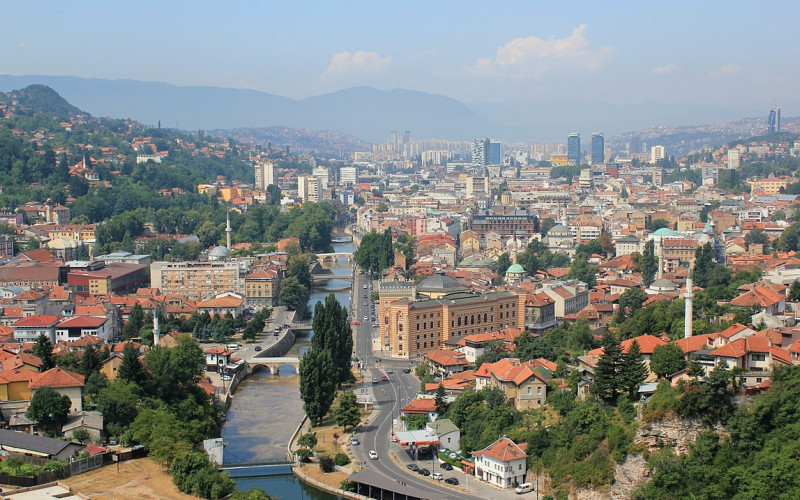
x,y
657,153
598,148
494,155
479,153
265,174
774,119
635,145
574,148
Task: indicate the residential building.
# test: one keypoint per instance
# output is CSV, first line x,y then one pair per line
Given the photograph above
x,y
222,304
28,329
65,382
78,327
505,221
265,174
447,433
309,188
348,176
540,312
522,385
502,463
657,153
197,280
42,447
569,297
261,288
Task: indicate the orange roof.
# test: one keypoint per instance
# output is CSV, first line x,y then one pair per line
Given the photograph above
x,y
446,357
37,320
420,406
221,302
16,375
695,343
646,345
55,378
503,450
759,296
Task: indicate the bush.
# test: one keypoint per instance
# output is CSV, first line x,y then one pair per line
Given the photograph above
x,y
192,473
663,403
304,454
347,485
326,464
341,459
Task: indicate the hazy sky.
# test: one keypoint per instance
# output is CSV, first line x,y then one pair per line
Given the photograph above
x,y
669,51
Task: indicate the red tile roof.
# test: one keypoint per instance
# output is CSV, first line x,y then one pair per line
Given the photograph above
x,y
420,406
37,320
503,450
446,357
760,296
55,378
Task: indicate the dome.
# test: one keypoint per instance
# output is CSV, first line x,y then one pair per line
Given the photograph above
x,y
664,231
515,269
558,230
441,283
663,284
219,252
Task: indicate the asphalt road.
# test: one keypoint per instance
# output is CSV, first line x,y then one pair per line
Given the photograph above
x,y
389,398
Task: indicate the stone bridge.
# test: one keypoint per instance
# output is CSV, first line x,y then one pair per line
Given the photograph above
x,y
272,364
333,257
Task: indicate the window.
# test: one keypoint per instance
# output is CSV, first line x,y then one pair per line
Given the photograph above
x,y
758,357
530,390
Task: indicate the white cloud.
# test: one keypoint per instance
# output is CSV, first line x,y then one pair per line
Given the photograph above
x,y
362,61
534,56
666,69
722,71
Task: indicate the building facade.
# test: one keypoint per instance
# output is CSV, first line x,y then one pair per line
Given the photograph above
x,y
197,280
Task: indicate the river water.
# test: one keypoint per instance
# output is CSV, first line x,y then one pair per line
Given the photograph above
x,y
266,409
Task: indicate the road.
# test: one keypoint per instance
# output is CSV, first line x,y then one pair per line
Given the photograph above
x,y
265,339
389,398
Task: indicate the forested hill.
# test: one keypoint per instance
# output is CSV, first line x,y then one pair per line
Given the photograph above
x,y
40,99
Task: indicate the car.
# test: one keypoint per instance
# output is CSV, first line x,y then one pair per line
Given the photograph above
x,y
366,318
226,377
446,466
355,323
355,441
375,325
406,370
424,472
523,488
437,476
451,480
373,455
366,304
257,348
389,371
374,380
412,467
384,378
394,438
364,287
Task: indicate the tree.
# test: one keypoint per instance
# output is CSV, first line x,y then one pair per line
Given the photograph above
x,y
173,372
90,361
131,368
332,332
117,402
757,236
667,359
49,408
607,382
43,349
631,300
794,291
347,413
308,440
634,370
274,193
582,271
293,294
298,268
317,385
649,264
441,404
657,224
95,383
790,238
135,322
503,264
81,434
703,264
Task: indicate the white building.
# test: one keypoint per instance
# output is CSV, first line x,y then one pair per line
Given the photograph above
x,y
348,175
322,174
309,188
265,174
733,158
657,153
502,463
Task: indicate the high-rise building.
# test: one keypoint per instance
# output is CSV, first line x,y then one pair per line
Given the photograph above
x,y
657,153
733,158
197,280
658,176
477,186
322,174
635,145
574,148
774,119
309,188
479,153
348,175
598,148
494,155
265,174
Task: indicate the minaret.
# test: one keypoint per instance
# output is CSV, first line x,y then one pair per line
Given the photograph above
x,y
156,328
688,296
228,229
660,260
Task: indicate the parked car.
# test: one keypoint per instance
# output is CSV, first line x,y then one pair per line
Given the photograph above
x,y
355,323
412,467
257,348
364,287
437,476
523,488
354,441
446,466
373,455
424,472
451,480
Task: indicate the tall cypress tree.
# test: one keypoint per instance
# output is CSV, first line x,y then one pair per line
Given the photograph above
x,y
317,386
634,370
649,265
607,381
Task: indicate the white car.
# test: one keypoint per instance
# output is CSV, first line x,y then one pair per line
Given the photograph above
x,y
373,455
523,488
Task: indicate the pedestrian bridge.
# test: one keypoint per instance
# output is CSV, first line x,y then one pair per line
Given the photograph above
x,y
273,365
333,257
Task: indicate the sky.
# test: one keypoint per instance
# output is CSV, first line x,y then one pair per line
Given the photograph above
x,y
710,52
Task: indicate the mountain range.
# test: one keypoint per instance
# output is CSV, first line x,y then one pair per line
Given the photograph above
x,y
367,113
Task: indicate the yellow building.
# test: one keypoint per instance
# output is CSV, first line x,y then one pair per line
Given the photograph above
x,y
768,186
14,384
196,280
420,318
559,160
229,193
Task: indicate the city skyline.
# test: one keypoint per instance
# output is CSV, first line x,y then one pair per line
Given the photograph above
x,y
578,52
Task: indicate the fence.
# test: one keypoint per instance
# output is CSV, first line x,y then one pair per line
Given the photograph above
x,y
70,469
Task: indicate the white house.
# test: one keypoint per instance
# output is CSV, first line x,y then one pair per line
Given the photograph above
x,y
502,463
447,432
77,327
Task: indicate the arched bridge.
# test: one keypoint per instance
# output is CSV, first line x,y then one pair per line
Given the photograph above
x,y
272,364
333,257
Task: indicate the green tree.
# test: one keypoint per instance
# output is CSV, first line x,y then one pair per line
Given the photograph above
x,y
298,268
634,370
332,332
49,408
118,404
346,412
608,383
703,264
790,238
274,193
164,435
503,263
307,440
794,291
81,434
293,294
317,385
90,361
43,349
131,368
667,359
581,270
648,264
657,224
174,371
441,403
134,324
631,300
757,236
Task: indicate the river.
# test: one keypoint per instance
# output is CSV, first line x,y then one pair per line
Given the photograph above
x,y
266,409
